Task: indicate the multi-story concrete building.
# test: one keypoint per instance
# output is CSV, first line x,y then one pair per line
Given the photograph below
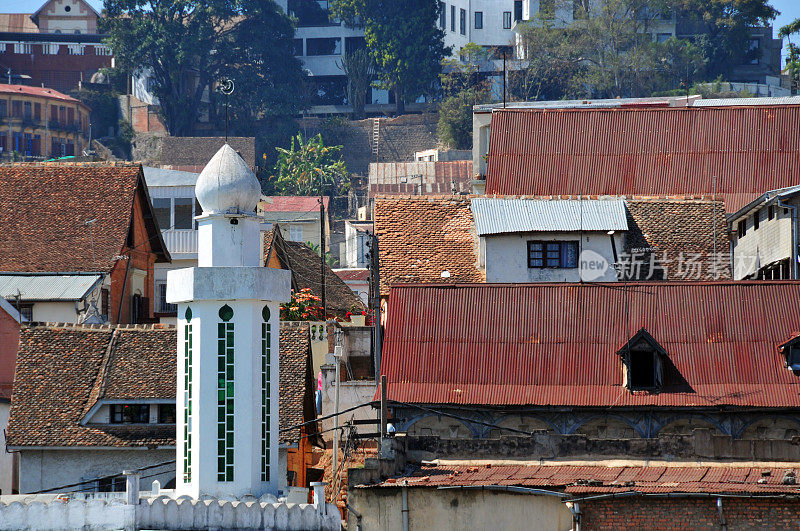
x,y
40,122
57,46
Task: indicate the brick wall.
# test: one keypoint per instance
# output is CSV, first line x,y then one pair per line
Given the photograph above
x,y
689,513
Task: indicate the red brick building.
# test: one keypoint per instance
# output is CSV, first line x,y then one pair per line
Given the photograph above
x,y
57,46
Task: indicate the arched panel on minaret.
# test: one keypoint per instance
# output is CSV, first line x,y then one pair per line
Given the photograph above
x,y
187,396
266,360
225,390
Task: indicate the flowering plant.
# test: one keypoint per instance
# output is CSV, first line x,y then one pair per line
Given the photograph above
x,y
303,306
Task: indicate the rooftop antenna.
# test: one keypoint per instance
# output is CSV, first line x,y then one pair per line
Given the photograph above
x,y
226,87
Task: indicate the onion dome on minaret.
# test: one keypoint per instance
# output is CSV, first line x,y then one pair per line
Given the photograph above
x,y
227,184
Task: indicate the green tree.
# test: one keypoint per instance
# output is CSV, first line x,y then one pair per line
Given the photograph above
x,y
404,41
188,46
723,27
680,63
309,167
793,59
462,88
360,72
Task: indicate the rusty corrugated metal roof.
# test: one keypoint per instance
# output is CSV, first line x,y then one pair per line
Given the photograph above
x,y
581,479
556,344
735,152
420,177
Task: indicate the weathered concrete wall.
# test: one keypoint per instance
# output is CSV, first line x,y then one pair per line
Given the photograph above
x,y
772,241
381,508
46,469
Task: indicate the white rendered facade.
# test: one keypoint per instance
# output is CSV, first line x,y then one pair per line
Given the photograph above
x,y
227,418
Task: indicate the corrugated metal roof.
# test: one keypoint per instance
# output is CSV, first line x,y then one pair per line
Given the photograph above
x,y
557,344
584,104
497,216
728,102
581,479
736,153
420,177
155,177
56,287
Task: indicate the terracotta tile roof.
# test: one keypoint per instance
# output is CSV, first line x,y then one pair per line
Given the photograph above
x,y
62,370
304,264
44,208
579,479
353,274
17,23
58,368
25,90
419,237
674,228
558,344
297,384
182,152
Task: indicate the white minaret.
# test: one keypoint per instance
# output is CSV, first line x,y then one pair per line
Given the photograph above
x,y
227,417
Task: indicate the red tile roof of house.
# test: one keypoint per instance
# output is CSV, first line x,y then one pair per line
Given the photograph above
x,y
17,23
292,203
735,152
25,90
721,478
45,209
64,370
557,344
352,274
420,237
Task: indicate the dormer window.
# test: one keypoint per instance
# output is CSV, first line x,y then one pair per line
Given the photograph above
x,y
791,352
642,357
130,413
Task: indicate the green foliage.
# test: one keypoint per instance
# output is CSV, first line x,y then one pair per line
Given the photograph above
x,y
105,108
329,259
454,128
303,306
310,168
405,43
188,46
360,71
793,59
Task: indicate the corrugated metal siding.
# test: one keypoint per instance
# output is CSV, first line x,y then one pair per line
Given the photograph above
x,y
497,216
673,151
557,344
422,177
576,479
47,287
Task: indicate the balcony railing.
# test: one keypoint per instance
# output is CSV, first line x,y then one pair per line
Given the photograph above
x,y
180,241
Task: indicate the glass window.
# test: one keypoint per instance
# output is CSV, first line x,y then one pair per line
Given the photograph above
x,y
463,21
26,311
518,8
296,233
506,19
3,108
163,213
756,219
453,18
553,254
478,19
28,110
166,413
130,413
442,15
754,52
327,46
183,212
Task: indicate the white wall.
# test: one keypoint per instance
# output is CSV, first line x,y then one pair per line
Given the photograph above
x,y
55,312
772,241
506,258
44,469
6,458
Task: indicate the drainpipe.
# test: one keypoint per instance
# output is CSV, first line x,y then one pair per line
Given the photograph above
x,y
781,204
575,509
722,524
405,508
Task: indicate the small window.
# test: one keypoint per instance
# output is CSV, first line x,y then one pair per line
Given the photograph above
x,y
518,9
162,208
741,228
754,52
453,18
642,369
166,413
26,311
770,212
506,19
183,212
104,302
553,254
130,413
296,233
756,217
326,46
478,19
28,110
463,22
442,15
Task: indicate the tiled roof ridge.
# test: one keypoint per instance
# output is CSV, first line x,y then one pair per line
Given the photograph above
x,y
631,285
427,197
640,107
89,327
99,387
57,164
295,324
